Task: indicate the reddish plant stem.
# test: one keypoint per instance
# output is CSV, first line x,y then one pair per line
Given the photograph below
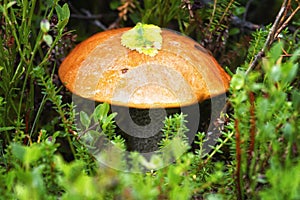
x,y
238,159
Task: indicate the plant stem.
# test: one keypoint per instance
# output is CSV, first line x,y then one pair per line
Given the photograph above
x,y
238,159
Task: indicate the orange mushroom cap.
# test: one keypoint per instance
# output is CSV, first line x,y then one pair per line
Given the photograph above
x,y
181,74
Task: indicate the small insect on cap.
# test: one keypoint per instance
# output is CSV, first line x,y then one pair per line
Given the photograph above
x,y
143,67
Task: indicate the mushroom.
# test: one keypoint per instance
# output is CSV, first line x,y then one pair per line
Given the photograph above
x,y
182,74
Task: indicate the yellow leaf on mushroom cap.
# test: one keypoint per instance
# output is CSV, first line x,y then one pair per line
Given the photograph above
x,y
144,38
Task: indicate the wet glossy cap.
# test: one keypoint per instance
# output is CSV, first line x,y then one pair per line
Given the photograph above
x,y
181,74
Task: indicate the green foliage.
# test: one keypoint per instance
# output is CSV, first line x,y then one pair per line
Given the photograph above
x,y
259,38
30,172
174,126
284,182
36,171
267,122
156,12
100,119
218,13
20,53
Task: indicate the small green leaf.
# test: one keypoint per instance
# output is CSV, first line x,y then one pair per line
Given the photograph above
x,y
239,11
295,56
275,73
38,71
63,14
234,31
66,11
111,116
276,51
59,12
101,111
237,81
289,71
1,102
84,119
107,120
10,4
7,128
48,39
144,38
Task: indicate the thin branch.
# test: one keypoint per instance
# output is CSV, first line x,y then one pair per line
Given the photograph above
x,y
90,17
255,61
279,17
271,36
236,21
287,21
96,22
115,24
87,130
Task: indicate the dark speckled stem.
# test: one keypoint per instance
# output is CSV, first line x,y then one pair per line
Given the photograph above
x,y
142,137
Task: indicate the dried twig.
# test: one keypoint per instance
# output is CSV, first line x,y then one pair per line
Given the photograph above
x,y
126,7
236,21
279,24
285,23
87,130
96,22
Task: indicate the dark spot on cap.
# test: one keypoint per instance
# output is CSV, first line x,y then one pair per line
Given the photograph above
x,y
124,70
